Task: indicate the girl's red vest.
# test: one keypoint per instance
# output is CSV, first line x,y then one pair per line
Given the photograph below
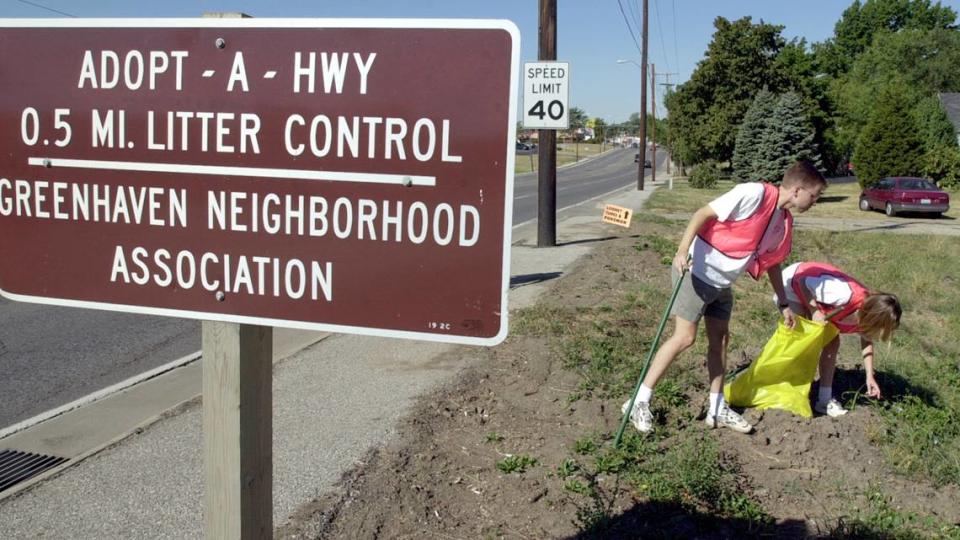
x,y
739,239
818,269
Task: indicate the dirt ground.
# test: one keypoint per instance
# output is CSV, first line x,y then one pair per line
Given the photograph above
x,y
439,478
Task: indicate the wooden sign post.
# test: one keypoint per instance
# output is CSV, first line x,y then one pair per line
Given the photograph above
x,y
237,430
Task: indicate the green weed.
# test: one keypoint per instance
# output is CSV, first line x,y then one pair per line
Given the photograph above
x,y
494,437
567,468
576,486
660,245
516,464
584,446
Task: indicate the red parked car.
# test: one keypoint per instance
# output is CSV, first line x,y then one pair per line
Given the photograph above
x,y
904,194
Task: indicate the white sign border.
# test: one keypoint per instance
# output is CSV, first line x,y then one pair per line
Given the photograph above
x,y
510,150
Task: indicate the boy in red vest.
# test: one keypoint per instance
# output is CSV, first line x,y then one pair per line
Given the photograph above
x,y
822,292
748,228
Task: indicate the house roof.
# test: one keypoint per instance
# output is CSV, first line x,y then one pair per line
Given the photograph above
x,y
951,104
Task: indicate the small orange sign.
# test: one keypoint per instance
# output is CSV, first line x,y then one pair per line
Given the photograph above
x,y
617,215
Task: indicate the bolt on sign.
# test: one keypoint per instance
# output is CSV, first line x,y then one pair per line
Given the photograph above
x,y
339,175
617,215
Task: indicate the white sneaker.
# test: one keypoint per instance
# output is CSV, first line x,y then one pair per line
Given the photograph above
x,y
728,417
641,417
832,408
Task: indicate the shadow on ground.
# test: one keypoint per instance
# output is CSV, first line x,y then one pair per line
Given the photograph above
x,y
529,279
852,382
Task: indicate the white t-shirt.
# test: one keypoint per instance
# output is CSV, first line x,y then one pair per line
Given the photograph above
x,y
738,204
828,290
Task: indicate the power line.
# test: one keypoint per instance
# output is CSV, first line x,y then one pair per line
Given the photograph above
x,y
634,9
627,22
676,48
656,6
46,8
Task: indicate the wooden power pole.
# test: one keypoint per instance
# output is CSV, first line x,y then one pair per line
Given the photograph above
x,y
642,147
547,186
653,137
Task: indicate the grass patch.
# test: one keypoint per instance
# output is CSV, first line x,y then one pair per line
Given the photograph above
x,y
840,201
682,470
918,371
881,520
566,153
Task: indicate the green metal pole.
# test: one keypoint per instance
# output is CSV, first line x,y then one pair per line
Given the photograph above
x,y
646,365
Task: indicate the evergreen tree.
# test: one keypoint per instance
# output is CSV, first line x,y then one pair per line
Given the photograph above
x,y
747,151
789,138
889,144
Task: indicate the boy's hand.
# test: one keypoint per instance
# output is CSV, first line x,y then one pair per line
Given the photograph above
x,y
681,261
873,389
788,317
819,316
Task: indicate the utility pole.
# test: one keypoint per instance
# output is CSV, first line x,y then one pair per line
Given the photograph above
x,y
547,155
653,137
642,147
653,84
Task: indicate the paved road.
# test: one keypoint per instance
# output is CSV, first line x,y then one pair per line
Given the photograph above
x,y
601,174
50,356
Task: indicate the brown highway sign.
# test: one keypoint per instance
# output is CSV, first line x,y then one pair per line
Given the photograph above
x,y
345,175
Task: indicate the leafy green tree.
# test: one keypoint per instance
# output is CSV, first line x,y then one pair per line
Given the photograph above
x,y
738,62
920,62
942,164
854,32
889,144
933,123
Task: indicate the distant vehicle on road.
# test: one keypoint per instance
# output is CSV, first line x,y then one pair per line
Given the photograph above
x,y
646,162
525,146
894,195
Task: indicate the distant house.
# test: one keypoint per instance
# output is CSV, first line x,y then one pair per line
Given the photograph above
x,y
951,104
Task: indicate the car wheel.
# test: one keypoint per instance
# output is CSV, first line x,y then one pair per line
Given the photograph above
x,y
889,210
864,205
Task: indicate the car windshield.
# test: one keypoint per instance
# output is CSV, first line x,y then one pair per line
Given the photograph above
x,y
917,183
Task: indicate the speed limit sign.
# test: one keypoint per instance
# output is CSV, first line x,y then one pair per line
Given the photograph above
x,y
545,90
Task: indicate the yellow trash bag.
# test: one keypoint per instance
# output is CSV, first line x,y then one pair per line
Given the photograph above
x,y
780,377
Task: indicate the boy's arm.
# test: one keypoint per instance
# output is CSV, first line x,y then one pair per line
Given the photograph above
x,y
776,281
701,216
866,349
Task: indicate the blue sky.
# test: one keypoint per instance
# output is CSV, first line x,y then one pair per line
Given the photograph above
x,y
591,35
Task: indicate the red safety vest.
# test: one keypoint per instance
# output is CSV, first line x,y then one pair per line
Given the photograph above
x,y
819,269
739,239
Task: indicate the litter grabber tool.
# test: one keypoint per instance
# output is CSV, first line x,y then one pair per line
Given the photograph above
x,y
646,364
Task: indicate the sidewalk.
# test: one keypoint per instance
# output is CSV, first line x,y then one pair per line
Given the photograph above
x,y
332,402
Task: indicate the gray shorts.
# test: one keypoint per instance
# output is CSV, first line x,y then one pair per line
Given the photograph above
x,y
697,298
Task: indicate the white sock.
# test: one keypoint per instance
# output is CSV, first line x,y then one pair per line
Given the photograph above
x,y
645,393
826,393
716,400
